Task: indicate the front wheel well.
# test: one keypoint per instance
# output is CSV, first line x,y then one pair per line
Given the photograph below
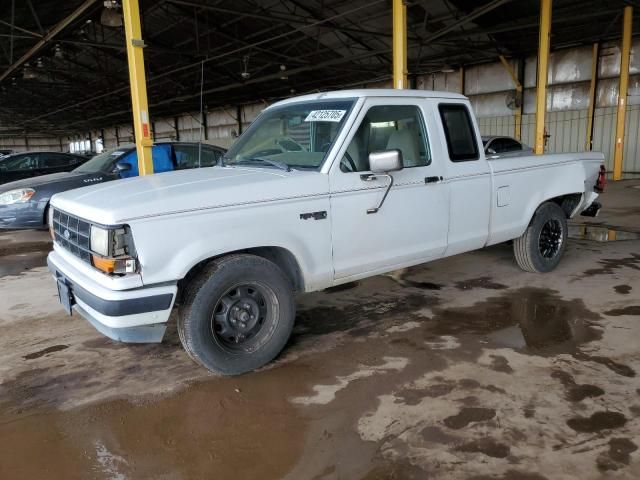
x,y
282,257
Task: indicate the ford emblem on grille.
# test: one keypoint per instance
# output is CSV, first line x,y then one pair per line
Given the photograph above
x,y
66,234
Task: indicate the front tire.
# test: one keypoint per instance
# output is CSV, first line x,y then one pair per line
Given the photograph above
x,y
237,315
541,247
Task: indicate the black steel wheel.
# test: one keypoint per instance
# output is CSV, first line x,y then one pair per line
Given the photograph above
x,y
237,314
239,318
541,247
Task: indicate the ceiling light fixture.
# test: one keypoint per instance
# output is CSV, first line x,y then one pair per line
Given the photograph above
x,y
245,72
447,69
111,15
57,52
28,73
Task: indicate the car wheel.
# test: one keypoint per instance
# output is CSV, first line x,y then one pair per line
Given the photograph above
x,y
541,247
237,314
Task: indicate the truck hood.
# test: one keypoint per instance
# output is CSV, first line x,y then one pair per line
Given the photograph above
x,y
131,199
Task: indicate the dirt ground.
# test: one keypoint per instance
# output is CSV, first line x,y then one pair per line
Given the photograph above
x,y
464,368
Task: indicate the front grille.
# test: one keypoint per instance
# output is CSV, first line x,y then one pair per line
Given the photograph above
x,y
72,234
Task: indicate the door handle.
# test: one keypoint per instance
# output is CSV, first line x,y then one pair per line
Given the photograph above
x,y
433,179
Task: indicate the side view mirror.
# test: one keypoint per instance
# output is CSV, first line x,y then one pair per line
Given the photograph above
x,y
381,164
123,167
386,161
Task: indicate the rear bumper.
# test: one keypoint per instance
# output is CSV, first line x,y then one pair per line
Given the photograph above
x,y
133,316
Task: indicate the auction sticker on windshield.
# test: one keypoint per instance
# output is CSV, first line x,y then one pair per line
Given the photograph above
x,y
325,115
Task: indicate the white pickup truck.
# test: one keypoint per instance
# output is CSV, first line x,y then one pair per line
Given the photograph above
x,y
320,190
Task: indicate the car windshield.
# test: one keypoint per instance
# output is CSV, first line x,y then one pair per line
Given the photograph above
x,y
104,162
297,135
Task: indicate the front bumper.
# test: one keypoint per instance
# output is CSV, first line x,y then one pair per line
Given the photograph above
x,y
139,315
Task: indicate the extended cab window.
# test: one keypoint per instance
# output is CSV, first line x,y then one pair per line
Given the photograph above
x,y
387,127
458,130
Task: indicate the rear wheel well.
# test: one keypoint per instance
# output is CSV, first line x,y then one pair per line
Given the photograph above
x,y
282,257
567,202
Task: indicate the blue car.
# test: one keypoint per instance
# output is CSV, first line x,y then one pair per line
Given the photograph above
x,y
24,203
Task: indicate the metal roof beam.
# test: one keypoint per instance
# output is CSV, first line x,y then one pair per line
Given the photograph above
x,y
47,38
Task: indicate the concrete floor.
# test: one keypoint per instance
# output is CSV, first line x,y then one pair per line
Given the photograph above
x,y
465,368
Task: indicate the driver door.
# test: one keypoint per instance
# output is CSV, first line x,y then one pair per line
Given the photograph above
x,y
411,226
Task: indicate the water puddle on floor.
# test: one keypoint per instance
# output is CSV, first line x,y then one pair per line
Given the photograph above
x,y
531,319
22,262
600,234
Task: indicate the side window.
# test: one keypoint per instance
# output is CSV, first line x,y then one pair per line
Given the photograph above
x,y
498,145
458,130
55,160
187,156
387,127
511,145
22,162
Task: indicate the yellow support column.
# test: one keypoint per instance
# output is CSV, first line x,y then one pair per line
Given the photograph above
x,y
592,95
399,44
543,68
135,55
622,94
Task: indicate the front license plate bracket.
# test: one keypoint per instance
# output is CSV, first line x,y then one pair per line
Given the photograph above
x,y
66,297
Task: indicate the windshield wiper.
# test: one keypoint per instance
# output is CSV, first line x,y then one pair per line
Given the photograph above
x,y
273,163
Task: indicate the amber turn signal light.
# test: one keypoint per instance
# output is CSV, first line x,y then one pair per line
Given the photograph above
x,y
107,265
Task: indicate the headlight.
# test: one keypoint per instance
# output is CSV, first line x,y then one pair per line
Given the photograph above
x,y
100,241
112,254
20,195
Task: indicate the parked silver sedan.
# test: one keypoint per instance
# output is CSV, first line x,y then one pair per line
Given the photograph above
x,y
496,146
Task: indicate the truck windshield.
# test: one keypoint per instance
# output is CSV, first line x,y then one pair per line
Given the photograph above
x,y
297,135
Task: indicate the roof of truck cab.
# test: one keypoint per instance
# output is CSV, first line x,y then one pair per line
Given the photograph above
x,y
372,92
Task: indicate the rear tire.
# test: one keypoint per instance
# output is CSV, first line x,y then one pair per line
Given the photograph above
x,y
541,247
237,314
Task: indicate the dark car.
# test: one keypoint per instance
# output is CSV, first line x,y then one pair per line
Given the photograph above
x,y
23,204
33,164
500,146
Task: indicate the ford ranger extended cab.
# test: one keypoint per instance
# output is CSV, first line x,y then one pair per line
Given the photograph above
x,y
321,190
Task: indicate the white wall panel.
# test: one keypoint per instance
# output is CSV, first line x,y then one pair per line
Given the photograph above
x,y
440,81
609,65
488,78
